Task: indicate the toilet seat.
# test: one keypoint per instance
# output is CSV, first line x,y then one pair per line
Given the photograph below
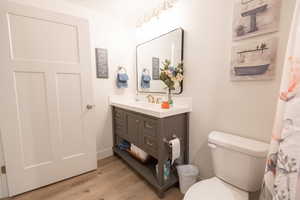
x,y
215,189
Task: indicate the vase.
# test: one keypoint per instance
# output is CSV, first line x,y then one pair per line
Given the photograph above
x,y
170,100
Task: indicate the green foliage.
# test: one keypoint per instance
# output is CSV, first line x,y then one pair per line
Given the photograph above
x,y
171,75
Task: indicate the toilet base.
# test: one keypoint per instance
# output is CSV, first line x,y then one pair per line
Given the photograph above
x,y
207,190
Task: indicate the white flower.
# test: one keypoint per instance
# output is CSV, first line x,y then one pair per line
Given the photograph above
x,y
176,84
179,77
169,73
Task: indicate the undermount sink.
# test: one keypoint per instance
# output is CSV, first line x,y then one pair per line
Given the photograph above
x,y
180,106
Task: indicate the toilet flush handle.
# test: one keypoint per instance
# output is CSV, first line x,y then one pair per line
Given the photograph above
x,y
213,146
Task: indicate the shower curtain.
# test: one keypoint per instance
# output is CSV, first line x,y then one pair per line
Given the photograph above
x,y
282,178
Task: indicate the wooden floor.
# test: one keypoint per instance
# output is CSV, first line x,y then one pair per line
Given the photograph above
x,y
113,180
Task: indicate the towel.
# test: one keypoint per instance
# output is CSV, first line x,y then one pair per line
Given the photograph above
x,y
122,80
145,83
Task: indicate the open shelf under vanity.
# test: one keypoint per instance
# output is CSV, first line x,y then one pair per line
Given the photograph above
x,y
150,134
147,171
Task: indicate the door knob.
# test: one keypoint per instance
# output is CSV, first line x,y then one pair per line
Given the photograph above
x,y
90,107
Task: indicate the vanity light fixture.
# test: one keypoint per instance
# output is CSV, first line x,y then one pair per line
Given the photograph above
x,y
156,12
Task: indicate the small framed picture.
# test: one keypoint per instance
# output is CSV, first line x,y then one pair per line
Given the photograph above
x,y
101,63
155,68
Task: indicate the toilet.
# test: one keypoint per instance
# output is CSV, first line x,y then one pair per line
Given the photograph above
x,y
239,165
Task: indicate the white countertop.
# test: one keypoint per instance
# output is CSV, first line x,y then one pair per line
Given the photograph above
x,y
155,110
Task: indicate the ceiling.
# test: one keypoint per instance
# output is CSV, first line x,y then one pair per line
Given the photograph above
x,y
129,10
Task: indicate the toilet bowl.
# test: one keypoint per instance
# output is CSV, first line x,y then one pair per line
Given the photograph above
x,y
215,189
238,164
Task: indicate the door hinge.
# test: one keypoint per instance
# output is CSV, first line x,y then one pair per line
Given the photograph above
x,y
3,169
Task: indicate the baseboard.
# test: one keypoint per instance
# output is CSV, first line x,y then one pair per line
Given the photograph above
x,y
104,153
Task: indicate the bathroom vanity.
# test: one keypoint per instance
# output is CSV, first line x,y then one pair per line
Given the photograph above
x,y
149,127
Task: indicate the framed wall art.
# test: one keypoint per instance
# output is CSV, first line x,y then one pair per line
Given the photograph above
x,y
255,60
255,17
101,63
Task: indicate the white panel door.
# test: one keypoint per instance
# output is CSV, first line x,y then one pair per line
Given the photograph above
x,y
45,87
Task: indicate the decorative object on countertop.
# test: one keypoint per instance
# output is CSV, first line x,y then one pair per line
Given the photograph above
x,y
145,79
165,105
101,62
172,77
255,17
170,99
122,78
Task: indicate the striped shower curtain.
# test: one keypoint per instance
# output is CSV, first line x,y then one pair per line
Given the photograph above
x,y
282,177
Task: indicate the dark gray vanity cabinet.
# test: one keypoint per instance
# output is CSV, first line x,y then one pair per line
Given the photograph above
x,y
151,135
133,127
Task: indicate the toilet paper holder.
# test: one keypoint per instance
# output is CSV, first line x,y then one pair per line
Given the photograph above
x,y
167,142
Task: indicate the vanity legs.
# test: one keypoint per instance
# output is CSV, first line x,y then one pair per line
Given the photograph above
x,y
161,194
162,162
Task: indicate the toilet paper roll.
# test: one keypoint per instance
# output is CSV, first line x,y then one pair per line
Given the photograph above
x,y
175,145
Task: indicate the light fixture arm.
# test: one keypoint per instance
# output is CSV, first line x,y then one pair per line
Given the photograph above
x,y
156,12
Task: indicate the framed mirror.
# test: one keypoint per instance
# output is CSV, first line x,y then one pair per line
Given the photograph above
x,y
150,57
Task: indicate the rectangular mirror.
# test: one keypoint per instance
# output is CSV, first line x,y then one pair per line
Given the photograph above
x,y
150,57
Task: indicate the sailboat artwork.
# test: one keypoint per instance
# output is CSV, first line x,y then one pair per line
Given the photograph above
x,y
255,60
255,17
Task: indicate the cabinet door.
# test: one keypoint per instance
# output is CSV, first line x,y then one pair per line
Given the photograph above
x,y
149,136
133,128
119,122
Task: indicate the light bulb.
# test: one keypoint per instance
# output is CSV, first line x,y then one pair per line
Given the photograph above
x,y
165,5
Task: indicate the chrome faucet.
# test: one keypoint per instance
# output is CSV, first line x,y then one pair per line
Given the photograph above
x,y
151,99
158,100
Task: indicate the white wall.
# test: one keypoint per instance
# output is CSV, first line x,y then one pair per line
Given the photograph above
x,y
121,51
243,108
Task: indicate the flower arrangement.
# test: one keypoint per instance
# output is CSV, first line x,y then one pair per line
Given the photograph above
x,y
171,76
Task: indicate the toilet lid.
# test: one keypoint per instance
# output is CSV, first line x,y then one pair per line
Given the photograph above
x,y
214,189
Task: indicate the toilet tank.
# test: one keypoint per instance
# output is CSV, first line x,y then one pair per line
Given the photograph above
x,y
238,161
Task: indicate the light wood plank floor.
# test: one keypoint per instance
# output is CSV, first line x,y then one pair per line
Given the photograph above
x,y
113,180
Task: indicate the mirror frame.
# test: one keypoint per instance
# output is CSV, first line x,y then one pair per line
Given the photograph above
x,y
181,59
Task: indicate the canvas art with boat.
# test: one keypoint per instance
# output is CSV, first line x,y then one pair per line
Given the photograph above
x,y
254,61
